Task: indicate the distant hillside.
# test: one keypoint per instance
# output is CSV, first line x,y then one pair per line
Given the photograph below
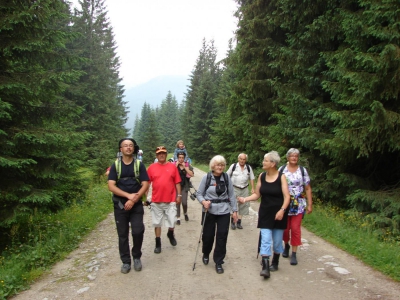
x,y
153,92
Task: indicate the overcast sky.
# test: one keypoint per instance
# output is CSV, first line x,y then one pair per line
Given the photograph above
x,y
163,37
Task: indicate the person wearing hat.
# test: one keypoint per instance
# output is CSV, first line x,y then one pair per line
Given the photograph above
x,y
128,208
166,195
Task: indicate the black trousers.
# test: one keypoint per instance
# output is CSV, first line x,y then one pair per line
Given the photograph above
x,y
122,220
216,226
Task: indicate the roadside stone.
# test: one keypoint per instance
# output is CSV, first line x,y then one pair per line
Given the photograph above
x,y
82,290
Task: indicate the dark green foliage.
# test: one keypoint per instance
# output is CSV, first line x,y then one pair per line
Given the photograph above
x,y
148,137
200,109
39,144
99,91
321,76
168,122
48,127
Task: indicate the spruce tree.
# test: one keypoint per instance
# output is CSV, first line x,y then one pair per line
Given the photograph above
x,y
99,91
39,141
168,122
200,109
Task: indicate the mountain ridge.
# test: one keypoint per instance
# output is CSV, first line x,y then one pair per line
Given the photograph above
x,y
153,92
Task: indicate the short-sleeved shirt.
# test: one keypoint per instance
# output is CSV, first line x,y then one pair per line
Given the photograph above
x,y
296,183
240,178
127,181
163,179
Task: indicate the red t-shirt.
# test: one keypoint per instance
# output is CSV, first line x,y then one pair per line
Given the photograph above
x,y
163,179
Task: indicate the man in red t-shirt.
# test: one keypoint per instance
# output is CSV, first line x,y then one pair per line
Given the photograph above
x,y
165,196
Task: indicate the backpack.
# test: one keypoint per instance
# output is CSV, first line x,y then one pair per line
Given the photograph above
x,y
136,167
234,167
208,181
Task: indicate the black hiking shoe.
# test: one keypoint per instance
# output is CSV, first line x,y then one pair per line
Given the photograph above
x,y
171,237
286,251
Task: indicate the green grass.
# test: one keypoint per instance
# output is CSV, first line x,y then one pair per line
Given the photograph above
x,y
351,233
50,238
202,167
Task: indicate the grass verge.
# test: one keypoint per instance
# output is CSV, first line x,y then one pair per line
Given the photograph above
x,y
350,232
353,235
50,238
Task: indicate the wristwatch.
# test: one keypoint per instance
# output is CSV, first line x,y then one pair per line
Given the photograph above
x,y
283,209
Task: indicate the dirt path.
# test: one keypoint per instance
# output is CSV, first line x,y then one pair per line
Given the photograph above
x,y
93,270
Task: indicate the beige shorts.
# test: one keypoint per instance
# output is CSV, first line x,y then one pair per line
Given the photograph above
x,y
163,213
243,208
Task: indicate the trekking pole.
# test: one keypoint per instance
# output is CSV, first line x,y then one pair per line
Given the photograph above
x,y
198,245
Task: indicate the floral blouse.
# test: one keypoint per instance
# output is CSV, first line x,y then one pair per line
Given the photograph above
x,y
296,183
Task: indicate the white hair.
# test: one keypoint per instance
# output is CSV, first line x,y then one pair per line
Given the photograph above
x,y
218,159
273,157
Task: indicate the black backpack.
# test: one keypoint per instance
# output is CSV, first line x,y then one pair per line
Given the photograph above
x,y
234,167
208,181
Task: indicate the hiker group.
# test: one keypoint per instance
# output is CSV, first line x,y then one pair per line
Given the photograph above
x,y
285,197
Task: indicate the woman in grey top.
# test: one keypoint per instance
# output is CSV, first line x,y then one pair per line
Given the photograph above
x,y
217,196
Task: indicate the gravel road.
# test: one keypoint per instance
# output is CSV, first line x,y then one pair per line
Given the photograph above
x,y
93,270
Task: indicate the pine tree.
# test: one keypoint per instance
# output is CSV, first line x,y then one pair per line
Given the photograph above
x,y
169,122
99,92
39,143
200,109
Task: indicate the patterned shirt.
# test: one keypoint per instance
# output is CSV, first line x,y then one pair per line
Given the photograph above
x,y
296,184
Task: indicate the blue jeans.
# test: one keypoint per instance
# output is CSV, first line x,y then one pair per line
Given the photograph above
x,y
271,237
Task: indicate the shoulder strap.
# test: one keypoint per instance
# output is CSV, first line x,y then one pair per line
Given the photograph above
x,y
226,180
136,168
281,168
233,168
302,171
248,168
118,167
208,180
263,176
302,174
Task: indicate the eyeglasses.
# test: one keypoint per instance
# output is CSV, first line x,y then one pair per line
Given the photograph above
x,y
220,165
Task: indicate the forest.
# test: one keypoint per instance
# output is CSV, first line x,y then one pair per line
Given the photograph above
x,y
320,76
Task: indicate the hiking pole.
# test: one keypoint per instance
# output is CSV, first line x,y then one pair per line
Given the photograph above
x,y
198,245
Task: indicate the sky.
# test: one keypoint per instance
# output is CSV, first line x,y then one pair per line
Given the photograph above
x,y
160,37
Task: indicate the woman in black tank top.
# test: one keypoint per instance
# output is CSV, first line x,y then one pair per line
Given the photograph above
x,y
273,189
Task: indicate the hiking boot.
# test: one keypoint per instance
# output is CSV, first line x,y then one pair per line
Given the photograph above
x,y
157,249
206,259
233,225
219,269
178,222
274,263
293,259
171,237
186,218
286,251
137,264
125,268
239,224
265,267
